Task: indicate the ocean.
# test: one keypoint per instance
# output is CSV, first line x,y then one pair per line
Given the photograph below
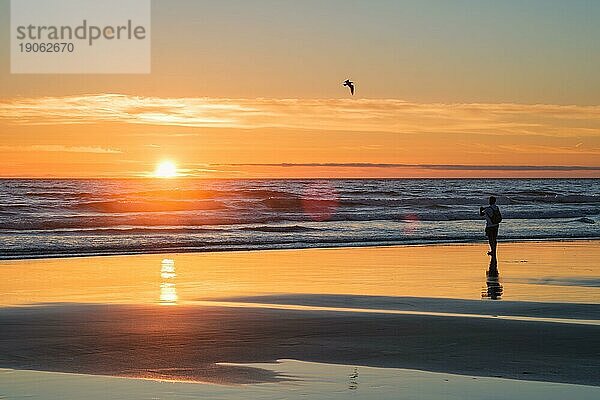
x,y
67,217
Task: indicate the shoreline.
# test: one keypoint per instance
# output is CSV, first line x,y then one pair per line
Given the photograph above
x,y
243,249
425,178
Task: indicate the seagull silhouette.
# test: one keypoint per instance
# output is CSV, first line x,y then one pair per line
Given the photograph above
x,y
350,85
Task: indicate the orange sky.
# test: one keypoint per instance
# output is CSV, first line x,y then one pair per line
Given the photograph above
x,y
253,89
119,135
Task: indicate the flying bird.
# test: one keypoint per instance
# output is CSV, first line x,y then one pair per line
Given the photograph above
x,y
350,85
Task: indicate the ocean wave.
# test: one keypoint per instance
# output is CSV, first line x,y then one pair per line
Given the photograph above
x,y
57,249
281,229
557,199
149,206
585,220
144,230
536,193
311,212
136,215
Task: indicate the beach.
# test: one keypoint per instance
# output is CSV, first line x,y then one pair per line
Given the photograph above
x,y
312,380
211,317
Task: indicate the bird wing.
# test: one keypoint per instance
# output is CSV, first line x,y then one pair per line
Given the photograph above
x,y
352,89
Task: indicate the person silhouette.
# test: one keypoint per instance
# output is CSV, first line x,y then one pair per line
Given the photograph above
x,y
493,217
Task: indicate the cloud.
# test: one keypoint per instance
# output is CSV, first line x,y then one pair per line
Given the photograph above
x,y
60,149
360,115
541,149
451,167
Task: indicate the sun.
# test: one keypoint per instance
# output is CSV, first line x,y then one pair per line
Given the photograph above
x,y
165,169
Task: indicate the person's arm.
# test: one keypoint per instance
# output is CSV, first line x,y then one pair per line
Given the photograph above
x,y
482,211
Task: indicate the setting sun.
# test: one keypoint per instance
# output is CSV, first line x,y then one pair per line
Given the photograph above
x,y
166,169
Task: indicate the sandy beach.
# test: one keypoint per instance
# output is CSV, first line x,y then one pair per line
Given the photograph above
x,y
185,343
181,316
307,380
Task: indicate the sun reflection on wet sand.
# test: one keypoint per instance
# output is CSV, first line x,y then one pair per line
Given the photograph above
x,y
168,289
441,271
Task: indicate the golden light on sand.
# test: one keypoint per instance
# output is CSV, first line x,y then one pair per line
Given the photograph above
x,y
165,169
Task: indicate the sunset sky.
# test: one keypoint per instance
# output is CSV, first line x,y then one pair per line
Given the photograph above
x,y
253,89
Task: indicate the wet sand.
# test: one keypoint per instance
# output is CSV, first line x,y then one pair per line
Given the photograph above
x,y
178,328
310,381
184,343
530,271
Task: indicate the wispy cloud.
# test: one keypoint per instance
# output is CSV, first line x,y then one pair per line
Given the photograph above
x,y
445,167
60,149
541,149
362,115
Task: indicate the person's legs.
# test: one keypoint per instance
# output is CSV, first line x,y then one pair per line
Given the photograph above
x,y
492,234
493,241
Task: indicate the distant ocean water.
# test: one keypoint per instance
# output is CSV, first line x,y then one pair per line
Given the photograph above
x,y
85,217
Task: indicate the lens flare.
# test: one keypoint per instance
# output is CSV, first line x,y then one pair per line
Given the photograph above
x,y
320,200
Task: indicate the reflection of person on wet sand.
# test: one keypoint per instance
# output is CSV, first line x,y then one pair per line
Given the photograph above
x,y
494,289
493,217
